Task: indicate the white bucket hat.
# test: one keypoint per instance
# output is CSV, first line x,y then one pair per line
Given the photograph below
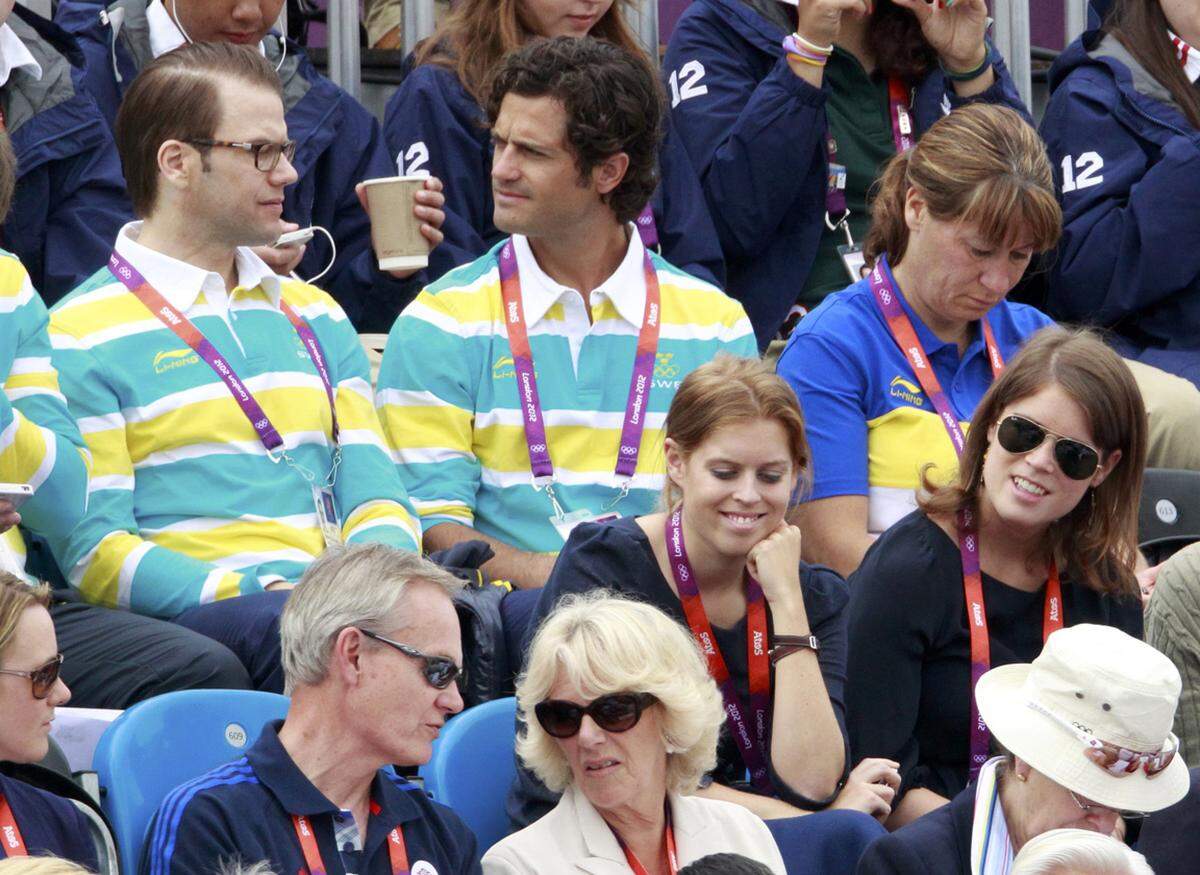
x,y
1090,682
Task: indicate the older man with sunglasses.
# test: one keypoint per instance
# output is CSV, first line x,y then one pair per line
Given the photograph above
x,y
371,654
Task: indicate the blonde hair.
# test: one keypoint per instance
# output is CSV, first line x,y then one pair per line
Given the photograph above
x,y
40,866
601,644
16,596
1061,851
980,164
730,390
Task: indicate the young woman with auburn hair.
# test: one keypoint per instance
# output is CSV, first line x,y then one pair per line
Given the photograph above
x,y
435,125
1037,531
721,559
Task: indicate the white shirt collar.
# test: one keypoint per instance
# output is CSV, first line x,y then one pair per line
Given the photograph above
x,y
180,283
626,288
1188,57
15,56
165,35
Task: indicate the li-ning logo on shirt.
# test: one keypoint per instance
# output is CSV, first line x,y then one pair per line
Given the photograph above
x,y
907,391
169,360
504,368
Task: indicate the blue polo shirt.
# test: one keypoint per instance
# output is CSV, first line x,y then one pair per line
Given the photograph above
x,y
244,810
870,426
48,824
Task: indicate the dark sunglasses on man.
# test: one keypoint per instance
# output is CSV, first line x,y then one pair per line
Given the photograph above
x,y
42,678
618,712
439,671
1019,435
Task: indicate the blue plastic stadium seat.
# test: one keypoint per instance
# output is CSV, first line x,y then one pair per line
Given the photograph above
x,y
162,742
472,767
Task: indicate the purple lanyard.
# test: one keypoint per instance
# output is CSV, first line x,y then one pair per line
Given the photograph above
x,y
531,406
902,138
190,334
647,230
753,746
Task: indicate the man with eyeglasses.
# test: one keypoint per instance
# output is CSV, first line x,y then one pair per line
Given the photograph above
x,y
228,410
371,653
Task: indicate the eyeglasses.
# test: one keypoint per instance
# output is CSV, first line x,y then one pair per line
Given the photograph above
x,y
1020,435
266,155
1087,806
439,671
618,712
1116,760
42,678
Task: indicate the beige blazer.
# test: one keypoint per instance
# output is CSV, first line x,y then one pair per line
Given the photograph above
x,y
573,837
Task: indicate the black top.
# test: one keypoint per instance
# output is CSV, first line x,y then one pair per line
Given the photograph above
x,y
937,844
618,556
910,660
49,824
1171,838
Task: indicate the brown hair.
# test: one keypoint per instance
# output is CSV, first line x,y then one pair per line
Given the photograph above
x,y
981,164
1141,26
895,40
175,98
729,390
613,103
1097,540
8,174
15,597
476,34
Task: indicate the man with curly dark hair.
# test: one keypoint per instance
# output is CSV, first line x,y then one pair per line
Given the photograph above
x,y
489,446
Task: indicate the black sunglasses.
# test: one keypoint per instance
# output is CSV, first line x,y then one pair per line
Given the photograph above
x,y
618,712
439,671
42,678
1020,435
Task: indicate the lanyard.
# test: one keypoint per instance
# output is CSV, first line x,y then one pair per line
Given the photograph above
x,y
898,109
639,385
887,296
902,138
752,745
397,853
190,334
647,229
981,659
10,835
636,865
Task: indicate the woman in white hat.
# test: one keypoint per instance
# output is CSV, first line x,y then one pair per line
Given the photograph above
x,y
1087,730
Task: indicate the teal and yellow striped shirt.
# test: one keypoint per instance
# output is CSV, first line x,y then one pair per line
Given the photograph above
x,y
447,391
186,506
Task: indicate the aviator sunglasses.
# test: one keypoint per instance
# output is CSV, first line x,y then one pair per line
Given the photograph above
x,y
1019,435
42,678
438,671
618,712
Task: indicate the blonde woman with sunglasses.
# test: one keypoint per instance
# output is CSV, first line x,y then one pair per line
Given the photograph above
x,y
1037,531
32,821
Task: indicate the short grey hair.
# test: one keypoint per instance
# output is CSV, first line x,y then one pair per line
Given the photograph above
x,y
1060,851
237,867
358,585
604,644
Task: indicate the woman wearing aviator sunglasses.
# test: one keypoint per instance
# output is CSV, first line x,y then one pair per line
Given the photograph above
x,y
1085,738
32,821
1036,532
621,717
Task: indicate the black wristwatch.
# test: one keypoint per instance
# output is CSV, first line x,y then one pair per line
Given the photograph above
x,y
786,645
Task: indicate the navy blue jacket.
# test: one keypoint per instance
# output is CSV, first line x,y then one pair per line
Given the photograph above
x,y
937,844
756,134
1171,838
433,125
1127,167
49,824
70,200
339,145
244,809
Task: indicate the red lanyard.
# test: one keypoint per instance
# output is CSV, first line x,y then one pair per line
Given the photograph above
x,y
751,742
397,853
10,835
531,405
636,865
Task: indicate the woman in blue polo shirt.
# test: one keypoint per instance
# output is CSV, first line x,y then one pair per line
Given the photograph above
x,y
32,821
954,225
435,124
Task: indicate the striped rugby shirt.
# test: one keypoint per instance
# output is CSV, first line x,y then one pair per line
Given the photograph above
x,y
39,441
185,504
447,390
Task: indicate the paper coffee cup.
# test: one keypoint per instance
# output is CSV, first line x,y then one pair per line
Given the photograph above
x,y
395,231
